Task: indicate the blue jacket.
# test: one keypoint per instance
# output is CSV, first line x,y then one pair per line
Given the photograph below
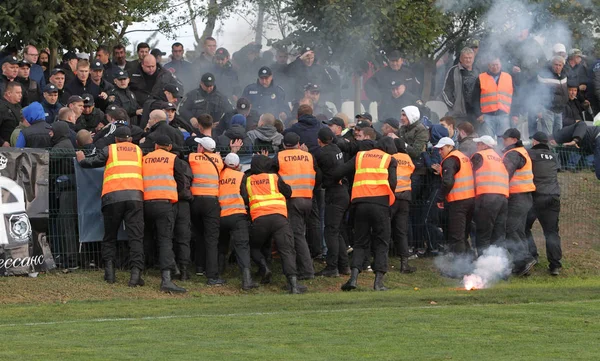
x,y
307,128
37,74
33,113
51,111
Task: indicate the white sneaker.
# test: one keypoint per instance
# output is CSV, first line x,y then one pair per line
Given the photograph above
x,y
369,269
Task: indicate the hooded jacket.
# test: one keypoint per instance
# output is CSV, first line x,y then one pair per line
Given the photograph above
x,y
415,134
235,132
308,129
61,138
265,136
37,135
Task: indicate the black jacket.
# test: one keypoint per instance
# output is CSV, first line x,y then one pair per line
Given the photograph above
x,y
199,102
10,117
513,160
450,167
105,87
31,90
330,158
379,84
233,133
124,98
572,112
90,121
105,136
38,135
391,107
545,169
267,100
302,75
76,87
163,128
145,86
307,128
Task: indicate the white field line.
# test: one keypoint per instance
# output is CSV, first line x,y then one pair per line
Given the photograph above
x,y
275,313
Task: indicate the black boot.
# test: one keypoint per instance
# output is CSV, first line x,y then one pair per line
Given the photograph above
x,y
293,286
378,285
328,272
184,275
109,272
404,267
352,282
266,273
136,278
221,260
166,285
247,283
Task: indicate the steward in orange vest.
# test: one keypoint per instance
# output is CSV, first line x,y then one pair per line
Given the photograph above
x,y
122,201
163,175
520,174
493,91
206,168
374,174
298,169
267,196
401,207
234,218
458,190
491,189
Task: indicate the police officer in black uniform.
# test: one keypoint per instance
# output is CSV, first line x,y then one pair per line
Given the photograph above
x,y
266,96
97,77
122,96
378,85
337,200
546,201
32,91
205,100
92,118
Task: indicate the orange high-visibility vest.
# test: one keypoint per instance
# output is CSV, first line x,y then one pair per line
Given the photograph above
x,y
494,96
522,180
206,175
371,176
264,196
158,170
492,176
123,171
296,168
464,187
403,172
230,200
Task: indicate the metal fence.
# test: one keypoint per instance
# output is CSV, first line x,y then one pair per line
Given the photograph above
x,y
580,216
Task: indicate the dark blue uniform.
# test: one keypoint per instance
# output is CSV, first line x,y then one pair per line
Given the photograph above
x,y
267,100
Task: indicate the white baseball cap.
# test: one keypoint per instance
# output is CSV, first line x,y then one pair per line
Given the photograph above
x,y
559,48
444,141
207,143
232,160
487,140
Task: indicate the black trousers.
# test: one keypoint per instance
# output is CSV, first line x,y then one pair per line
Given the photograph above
x,y
371,225
299,211
314,224
132,213
460,214
546,209
491,211
159,219
519,205
234,230
400,212
206,213
336,204
182,233
274,227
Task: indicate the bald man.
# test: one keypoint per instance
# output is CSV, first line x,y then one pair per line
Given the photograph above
x,y
158,124
148,81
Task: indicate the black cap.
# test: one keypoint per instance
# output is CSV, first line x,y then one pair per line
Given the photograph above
x,y
312,87
572,83
363,124
306,49
364,115
173,89
394,123
291,139
58,70
512,133
394,84
222,53
122,132
541,137
208,79
169,106
50,88
24,62
74,99
243,104
122,74
325,135
265,72
395,55
88,100
69,55
157,52
163,140
12,60
96,65
336,121
111,108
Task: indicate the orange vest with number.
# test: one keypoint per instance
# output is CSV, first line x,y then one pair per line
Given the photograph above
x,y
403,172
206,175
123,171
371,176
296,168
522,180
492,176
230,200
158,171
464,187
494,96
264,196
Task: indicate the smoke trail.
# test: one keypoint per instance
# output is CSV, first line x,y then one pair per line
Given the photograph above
x,y
493,266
